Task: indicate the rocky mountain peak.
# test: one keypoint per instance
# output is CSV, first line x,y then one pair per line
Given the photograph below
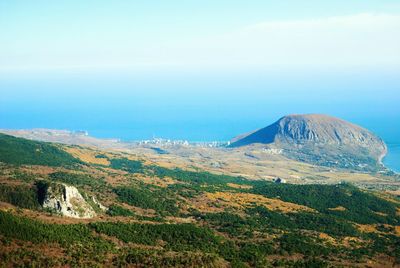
x,y
317,136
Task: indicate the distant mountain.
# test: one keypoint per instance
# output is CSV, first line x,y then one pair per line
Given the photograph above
x,y
320,139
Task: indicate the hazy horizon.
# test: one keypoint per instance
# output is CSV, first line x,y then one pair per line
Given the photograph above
x,y
196,107
197,71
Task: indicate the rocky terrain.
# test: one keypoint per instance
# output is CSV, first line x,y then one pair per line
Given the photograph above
x,y
66,200
320,139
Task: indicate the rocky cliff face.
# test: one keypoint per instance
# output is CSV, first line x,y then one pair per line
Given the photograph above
x,y
320,139
67,201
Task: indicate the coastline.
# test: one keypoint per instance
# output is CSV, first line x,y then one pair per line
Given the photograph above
x,y
383,155
391,160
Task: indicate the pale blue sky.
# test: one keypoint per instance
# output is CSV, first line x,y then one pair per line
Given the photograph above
x,y
197,69
142,35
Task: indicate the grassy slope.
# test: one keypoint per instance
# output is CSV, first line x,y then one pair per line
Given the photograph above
x,y
246,234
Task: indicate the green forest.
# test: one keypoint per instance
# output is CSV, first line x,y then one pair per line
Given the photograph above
x,y
163,225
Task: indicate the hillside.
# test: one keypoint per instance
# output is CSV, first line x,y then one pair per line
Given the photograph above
x,y
15,150
178,217
320,139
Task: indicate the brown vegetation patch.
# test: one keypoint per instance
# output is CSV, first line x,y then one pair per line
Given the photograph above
x,y
242,200
380,213
139,211
397,229
395,193
327,238
160,182
116,180
180,220
389,196
372,228
292,257
353,242
339,208
38,170
6,206
239,186
10,181
205,205
382,261
50,218
115,171
87,156
367,228
52,250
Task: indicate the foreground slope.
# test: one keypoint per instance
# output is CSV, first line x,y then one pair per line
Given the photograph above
x,y
320,139
161,216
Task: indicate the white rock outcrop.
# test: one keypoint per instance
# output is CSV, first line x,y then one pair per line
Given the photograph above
x,y
103,208
67,201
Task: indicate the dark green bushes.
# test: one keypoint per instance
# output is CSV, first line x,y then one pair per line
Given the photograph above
x,y
297,243
262,219
78,180
360,207
195,177
115,210
180,237
131,166
20,195
83,248
145,198
34,231
159,258
227,222
303,221
20,151
255,253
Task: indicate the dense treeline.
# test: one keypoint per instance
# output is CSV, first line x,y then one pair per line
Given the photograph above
x,y
359,206
181,237
299,243
131,166
78,180
148,198
196,177
180,245
158,258
23,196
189,237
186,237
303,220
81,245
260,218
20,151
115,210
37,232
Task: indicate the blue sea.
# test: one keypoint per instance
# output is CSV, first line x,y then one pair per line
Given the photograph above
x,y
392,160
198,107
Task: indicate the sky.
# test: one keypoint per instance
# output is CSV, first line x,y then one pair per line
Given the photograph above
x,y
198,35
201,70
